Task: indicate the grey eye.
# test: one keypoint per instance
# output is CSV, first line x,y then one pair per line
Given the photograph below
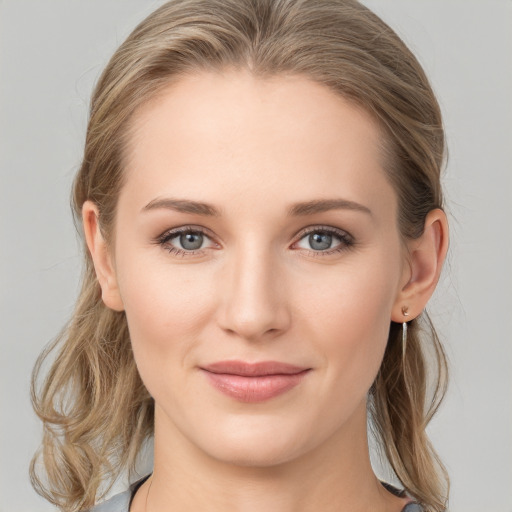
x,y
320,241
191,241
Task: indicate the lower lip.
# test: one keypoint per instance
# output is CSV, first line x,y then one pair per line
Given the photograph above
x,y
254,389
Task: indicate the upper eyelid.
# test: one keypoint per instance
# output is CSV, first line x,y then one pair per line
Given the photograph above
x,y
171,233
329,229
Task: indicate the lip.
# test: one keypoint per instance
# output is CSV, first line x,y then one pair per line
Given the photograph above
x,y
254,382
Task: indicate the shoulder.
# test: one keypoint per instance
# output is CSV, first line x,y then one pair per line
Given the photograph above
x,y
410,507
413,507
118,503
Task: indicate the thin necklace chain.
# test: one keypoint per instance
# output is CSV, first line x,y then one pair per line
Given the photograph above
x,y
151,483
147,495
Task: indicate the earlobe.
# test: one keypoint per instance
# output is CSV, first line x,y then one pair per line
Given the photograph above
x,y
103,265
427,255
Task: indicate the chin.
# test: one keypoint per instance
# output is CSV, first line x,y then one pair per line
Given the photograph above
x,y
255,455
256,444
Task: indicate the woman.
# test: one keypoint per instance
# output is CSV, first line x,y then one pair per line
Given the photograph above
x,y
263,227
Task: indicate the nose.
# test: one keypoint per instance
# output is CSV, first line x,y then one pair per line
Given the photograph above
x,y
253,296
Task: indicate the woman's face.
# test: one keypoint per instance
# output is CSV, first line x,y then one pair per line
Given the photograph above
x,y
296,259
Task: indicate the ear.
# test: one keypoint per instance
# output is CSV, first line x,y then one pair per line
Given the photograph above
x,y
105,271
420,277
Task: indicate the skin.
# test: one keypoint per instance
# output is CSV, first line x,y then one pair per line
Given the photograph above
x,y
257,290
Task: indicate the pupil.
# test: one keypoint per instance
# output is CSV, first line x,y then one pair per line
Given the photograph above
x,y
191,241
320,241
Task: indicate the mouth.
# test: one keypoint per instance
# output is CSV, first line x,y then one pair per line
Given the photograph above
x,y
254,382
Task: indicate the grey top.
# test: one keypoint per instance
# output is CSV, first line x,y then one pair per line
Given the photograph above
x,y
121,502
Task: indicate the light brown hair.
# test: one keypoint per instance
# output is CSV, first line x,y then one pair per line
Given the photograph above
x,y
95,409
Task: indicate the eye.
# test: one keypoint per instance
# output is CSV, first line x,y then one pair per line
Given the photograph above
x,y
325,241
321,241
185,241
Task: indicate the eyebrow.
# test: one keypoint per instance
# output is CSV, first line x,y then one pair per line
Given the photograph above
x,y
295,210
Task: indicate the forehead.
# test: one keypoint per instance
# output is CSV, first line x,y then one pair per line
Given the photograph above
x,y
230,134
219,102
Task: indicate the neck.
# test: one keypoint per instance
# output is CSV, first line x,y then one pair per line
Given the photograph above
x,y
336,476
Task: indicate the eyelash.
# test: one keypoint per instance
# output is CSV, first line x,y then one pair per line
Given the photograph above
x,y
346,240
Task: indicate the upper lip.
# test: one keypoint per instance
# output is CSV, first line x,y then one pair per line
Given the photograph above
x,y
257,369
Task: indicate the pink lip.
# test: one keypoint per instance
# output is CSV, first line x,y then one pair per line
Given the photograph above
x,y
254,382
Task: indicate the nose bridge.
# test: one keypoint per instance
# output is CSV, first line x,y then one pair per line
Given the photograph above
x,y
254,302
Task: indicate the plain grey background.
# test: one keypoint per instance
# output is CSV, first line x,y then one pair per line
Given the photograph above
x,y
51,53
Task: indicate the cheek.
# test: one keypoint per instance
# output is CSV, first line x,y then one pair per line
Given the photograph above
x,y
349,317
164,308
